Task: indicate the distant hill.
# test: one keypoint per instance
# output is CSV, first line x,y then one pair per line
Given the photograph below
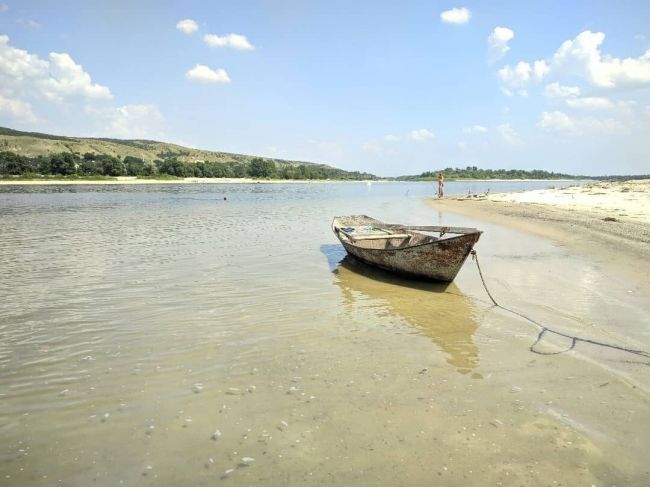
x,y
31,145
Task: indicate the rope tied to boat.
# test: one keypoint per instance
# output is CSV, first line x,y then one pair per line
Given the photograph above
x,y
545,329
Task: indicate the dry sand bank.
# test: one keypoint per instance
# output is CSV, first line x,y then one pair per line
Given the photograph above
x,y
609,221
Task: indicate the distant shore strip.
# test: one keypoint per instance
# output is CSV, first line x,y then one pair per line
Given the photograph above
x,y
136,180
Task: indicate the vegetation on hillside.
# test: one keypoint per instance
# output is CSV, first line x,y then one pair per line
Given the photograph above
x,y
473,172
33,153
68,164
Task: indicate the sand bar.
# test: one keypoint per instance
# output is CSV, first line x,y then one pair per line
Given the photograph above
x,y
609,221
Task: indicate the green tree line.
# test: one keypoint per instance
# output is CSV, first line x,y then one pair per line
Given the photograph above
x,y
88,165
473,172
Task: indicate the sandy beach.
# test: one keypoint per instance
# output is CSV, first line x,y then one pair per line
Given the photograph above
x,y
608,221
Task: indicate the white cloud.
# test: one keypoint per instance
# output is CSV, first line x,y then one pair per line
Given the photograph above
x,y
204,74
515,80
68,79
456,16
540,69
420,135
129,121
556,121
508,134
561,123
581,58
17,109
475,129
56,79
392,138
498,43
519,76
18,64
591,102
556,90
516,77
187,26
26,80
3,7
236,41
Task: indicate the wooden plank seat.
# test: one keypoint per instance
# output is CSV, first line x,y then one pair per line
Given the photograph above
x,y
374,236
378,237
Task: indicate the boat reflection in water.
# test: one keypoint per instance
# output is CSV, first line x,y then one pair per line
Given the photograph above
x,y
439,311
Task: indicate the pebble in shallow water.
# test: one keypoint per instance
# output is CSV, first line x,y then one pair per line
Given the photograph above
x,y
246,461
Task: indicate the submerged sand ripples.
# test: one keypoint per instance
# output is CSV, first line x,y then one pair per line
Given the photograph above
x,y
115,283
136,323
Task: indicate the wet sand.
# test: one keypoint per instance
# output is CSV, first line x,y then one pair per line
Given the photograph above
x,y
608,221
589,276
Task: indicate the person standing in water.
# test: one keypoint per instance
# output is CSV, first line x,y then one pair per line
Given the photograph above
x,y
441,185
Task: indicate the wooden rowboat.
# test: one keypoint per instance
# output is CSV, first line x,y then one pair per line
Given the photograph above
x,y
412,251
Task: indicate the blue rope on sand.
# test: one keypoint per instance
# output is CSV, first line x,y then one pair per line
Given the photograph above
x,y
545,329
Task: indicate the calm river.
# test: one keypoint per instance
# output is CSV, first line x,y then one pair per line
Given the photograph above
x,y
206,334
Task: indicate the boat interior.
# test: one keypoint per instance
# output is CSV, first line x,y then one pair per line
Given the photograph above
x,y
371,237
366,232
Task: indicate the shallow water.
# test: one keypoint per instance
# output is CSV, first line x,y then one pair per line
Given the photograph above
x,y
137,321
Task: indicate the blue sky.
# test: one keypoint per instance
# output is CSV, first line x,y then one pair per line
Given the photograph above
x,y
381,86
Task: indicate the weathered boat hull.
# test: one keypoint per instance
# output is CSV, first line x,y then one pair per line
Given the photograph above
x,y
427,257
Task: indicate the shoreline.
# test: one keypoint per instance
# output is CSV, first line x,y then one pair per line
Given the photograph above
x,y
123,180
607,221
134,180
